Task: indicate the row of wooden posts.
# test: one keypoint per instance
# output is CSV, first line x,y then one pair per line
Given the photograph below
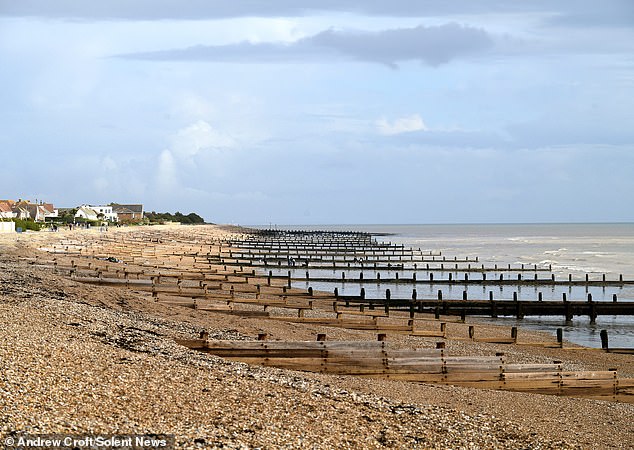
x,y
174,273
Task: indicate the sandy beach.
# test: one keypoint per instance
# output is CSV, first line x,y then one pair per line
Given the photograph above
x,y
80,358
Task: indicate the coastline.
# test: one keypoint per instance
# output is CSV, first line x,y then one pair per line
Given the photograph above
x,y
70,347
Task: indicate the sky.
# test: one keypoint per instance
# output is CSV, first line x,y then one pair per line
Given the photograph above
x,y
322,112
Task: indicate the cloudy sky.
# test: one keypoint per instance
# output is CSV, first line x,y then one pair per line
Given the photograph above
x,y
319,111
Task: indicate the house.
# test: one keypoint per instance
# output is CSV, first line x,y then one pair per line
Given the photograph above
x,y
17,210
6,212
128,213
37,211
24,209
106,212
20,212
51,211
86,212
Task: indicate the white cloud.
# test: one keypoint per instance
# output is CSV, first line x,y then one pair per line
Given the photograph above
x,y
199,138
195,149
166,178
401,125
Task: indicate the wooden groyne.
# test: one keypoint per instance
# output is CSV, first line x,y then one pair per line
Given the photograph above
x,y
379,360
188,272
520,280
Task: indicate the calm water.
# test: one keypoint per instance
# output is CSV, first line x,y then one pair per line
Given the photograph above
x,y
577,249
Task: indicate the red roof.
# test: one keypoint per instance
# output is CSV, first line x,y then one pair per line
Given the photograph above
x,y
48,207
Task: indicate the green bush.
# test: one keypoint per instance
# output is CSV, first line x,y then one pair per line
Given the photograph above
x,y
26,224
189,219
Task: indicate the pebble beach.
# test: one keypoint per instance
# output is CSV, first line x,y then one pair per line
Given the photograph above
x,y
78,358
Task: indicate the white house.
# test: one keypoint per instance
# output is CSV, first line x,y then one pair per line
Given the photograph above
x,y
106,212
86,212
49,210
6,212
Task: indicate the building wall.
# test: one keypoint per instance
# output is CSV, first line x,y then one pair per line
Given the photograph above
x,y
7,227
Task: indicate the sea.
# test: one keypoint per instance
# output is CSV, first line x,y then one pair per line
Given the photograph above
x,y
568,249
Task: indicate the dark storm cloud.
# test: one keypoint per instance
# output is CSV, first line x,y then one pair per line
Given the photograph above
x,y
431,45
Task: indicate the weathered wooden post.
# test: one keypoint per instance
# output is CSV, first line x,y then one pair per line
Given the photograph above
x,y
491,296
501,277
568,312
519,277
560,336
563,297
321,337
464,295
443,329
337,293
343,276
614,298
515,296
310,291
539,297
593,312
471,332
589,297
484,276
604,339
569,278
414,276
307,276
440,345
514,334
381,337
431,277
262,336
439,294
463,315
450,276
466,277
